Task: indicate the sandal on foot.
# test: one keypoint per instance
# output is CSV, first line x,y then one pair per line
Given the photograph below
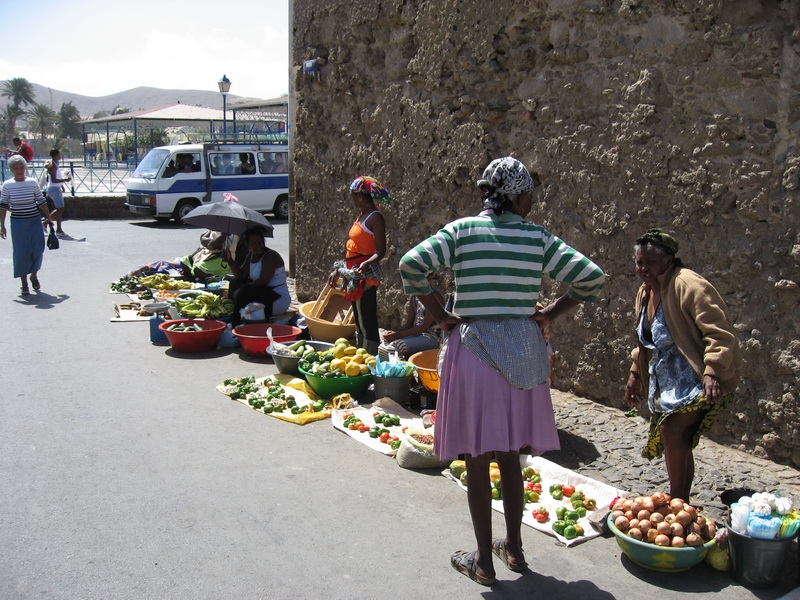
x,y
25,291
36,285
466,563
500,550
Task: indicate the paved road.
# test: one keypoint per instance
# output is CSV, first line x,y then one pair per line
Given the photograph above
x,y
126,475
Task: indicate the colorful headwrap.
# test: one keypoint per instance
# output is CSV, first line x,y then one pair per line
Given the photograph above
x,y
655,237
504,177
373,187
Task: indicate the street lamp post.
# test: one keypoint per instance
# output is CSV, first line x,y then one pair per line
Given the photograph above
x,y
224,87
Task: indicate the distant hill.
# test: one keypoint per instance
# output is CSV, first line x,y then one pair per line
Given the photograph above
x,y
140,98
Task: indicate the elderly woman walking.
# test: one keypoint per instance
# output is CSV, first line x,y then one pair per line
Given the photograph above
x,y
494,394
22,197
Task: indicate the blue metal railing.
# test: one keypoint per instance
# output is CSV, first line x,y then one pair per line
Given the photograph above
x,y
88,177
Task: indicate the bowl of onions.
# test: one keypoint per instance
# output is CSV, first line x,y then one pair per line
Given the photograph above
x,y
661,533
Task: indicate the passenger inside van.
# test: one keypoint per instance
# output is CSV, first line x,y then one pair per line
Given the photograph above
x,y
265,162
182,164
280,163
227,167
248,165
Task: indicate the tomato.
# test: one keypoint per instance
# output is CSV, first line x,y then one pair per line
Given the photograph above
x,y
540,518
567,490
536,487
363,428
384,437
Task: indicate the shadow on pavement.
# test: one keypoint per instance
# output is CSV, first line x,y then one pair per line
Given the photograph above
x,y
42,300
575,452
532,584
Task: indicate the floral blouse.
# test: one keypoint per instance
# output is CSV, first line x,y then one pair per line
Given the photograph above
x,y
673,383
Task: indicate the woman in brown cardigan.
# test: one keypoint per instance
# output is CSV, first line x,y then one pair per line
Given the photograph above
x,y
687,362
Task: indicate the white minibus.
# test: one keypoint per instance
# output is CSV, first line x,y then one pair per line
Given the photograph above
x,y
170,181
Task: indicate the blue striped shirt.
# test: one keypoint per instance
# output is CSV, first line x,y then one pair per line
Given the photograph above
x,y
22,198
499,263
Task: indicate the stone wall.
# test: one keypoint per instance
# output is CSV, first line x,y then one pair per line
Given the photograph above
x,y
682,114
98,207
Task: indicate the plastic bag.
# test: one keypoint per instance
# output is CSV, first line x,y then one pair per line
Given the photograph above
x,y
227,339
276,347
253,312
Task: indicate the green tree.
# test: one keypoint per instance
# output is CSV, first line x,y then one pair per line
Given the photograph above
x,y
70,121
10,114
20,91
43,119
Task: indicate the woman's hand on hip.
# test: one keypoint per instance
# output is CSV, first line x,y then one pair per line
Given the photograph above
x,y
450,321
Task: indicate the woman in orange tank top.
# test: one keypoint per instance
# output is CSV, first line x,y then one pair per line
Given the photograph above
x,y
365,248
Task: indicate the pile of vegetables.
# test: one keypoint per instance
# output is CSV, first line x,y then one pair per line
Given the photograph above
x,y
661,520
204,306
765,516
127,286
269,396
378,431
185,327
343,360
162,281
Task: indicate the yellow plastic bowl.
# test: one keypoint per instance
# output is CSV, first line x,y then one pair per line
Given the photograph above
x,y
325,331
425,362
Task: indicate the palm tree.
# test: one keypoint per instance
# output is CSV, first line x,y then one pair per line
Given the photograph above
x,y
20,91
10,114
70,120
43,119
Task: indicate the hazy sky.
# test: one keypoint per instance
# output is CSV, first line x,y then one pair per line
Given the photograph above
x,y
99,47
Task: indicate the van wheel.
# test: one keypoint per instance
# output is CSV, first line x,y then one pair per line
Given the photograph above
x,y
281,208
184,208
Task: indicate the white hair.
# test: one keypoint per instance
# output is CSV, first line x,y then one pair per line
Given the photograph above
x,y
17,159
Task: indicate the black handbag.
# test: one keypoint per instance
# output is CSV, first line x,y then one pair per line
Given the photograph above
x,y
52,239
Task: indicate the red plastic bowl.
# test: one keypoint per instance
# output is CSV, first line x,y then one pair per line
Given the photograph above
x,y
193,341
254,340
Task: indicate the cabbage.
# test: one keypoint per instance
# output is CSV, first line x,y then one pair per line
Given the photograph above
x,y
718,558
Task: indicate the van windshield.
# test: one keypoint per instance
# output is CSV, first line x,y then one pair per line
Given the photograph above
x,y
151,164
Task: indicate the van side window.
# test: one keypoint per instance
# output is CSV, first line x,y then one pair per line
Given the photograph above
x,y
265,162
248,163
279,165
225,163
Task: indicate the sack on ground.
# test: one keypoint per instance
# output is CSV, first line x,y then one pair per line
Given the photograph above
x,y
416,453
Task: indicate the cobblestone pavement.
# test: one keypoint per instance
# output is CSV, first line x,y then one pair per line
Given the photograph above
x,y
604,444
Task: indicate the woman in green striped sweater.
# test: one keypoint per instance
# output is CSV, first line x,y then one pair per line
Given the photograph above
x,y
494,395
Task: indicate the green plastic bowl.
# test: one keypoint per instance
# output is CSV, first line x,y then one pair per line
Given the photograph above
x,y
333,386
659,558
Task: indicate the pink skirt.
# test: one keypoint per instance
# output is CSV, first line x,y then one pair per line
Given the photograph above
x,y
478,411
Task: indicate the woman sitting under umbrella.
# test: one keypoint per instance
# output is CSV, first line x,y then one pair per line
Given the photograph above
x,y
261,277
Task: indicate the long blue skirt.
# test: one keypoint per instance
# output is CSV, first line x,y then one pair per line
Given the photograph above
x,y
27,238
